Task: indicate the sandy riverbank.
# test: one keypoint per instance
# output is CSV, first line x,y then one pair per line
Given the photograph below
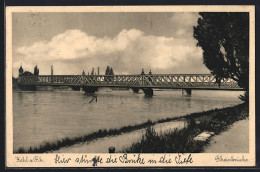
x,y
234,140
120,142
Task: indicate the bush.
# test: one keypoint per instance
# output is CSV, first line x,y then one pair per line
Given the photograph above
x,y
176,141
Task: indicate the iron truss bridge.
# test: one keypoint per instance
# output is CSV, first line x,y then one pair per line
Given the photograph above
x,y
162,81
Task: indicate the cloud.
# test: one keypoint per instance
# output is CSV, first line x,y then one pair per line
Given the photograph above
x,y
74,44
185,19
127,52
184,22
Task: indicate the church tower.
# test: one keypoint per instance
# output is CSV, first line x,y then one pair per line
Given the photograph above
x,y
20,70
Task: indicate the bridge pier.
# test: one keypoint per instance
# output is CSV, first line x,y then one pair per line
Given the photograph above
x,y
90,89
148,91
27,87
188,91
135,89
75,88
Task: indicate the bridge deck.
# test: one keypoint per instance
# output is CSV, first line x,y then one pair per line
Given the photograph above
x,y
164,81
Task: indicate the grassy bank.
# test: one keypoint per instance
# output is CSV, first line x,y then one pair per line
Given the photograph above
x,y
56,145
182,140
205,119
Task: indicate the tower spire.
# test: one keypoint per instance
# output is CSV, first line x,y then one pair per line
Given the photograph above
x,y
51,70
20,70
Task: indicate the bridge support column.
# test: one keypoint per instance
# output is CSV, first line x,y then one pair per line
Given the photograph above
x,y
148,91
75,88
27,87
90,89
188,91
135,89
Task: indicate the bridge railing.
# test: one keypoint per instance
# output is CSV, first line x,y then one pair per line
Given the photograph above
x,y
155,80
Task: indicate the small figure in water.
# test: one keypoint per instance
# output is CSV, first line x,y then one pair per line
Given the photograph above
x,y
94,97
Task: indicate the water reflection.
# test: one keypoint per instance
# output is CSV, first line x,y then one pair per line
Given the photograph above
x,y
20,97
187,100
148,101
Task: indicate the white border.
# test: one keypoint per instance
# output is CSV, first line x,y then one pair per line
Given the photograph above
x,y
202,159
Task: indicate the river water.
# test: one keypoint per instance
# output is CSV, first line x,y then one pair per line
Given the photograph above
x,y
40,116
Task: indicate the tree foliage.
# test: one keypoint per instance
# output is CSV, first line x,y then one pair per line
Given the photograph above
x,y
36,71
109,71
224,39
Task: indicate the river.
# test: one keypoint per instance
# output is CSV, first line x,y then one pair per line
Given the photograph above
x,y
40,116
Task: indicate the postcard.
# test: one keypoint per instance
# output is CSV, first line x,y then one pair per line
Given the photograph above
x,y
130,86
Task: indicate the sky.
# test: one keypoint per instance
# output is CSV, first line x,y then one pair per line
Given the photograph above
x,y
128,42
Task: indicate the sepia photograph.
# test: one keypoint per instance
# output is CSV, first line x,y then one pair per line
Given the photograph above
x,y
116,86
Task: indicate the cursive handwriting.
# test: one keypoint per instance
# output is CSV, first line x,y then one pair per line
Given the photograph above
x,y
97,159
61,159
219,158
165,160
27,159
135,160
181,158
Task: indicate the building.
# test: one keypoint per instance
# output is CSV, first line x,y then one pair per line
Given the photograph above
x,y
26,73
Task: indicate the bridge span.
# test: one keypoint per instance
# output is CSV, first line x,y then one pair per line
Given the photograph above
x,y
91,83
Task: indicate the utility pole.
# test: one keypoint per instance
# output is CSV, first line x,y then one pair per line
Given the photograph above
x,y
51,73
51,70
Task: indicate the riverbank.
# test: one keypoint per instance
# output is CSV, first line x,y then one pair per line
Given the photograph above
x,y
216,120
119,142
234,140
205,124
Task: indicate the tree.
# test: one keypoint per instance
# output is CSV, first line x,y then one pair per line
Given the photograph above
x,y
92,72
36,71
111,72
107,70
224,39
